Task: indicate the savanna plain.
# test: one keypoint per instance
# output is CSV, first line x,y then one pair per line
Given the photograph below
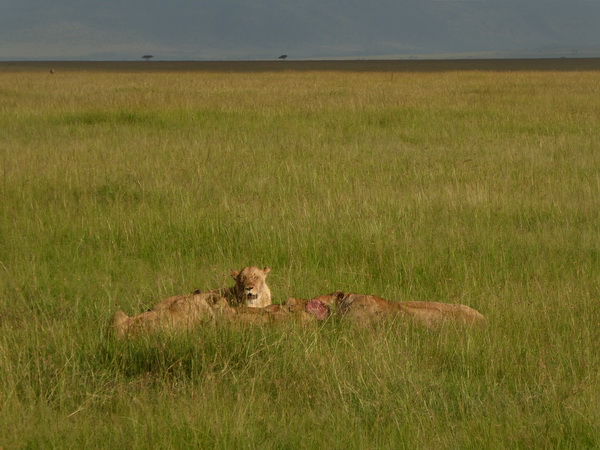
x,y
124,185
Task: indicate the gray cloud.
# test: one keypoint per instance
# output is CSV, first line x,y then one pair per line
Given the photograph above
x,y
238,29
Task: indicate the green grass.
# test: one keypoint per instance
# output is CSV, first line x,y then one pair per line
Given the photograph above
x,y
482,188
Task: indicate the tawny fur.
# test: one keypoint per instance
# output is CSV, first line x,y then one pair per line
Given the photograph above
x,y
186,311
270,314
250,288
364,309
173,313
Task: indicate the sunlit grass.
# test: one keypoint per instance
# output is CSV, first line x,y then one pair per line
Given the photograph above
x,y
473,187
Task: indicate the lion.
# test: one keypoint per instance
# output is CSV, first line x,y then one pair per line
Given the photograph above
x,y
181,312
250,288
186,311
364,309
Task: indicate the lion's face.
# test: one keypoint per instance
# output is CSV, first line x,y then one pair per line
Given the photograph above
x,y
251,288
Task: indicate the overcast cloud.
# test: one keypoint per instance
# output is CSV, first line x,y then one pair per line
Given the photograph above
x,y
264,29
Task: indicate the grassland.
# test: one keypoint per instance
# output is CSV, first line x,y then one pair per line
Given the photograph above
x,y
473,186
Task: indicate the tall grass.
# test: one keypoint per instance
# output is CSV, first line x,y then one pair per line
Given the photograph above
x,y
122,188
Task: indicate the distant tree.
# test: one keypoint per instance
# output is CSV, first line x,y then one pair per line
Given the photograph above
x,y
147,57
283,57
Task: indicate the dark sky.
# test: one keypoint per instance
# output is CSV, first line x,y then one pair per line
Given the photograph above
x,y
264,29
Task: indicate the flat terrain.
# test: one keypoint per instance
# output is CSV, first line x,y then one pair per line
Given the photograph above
x,y
473,182
559,64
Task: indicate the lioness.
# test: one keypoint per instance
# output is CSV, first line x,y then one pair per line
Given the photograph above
x,y
364,309
179,312
185,311
250,288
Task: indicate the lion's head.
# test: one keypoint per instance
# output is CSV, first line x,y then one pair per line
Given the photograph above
x,y
250,287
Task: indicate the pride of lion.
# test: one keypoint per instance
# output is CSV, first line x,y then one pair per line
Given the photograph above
x,y
249,302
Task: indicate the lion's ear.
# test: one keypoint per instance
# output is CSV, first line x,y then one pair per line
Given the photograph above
x,y
266,270
339,295
234,274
